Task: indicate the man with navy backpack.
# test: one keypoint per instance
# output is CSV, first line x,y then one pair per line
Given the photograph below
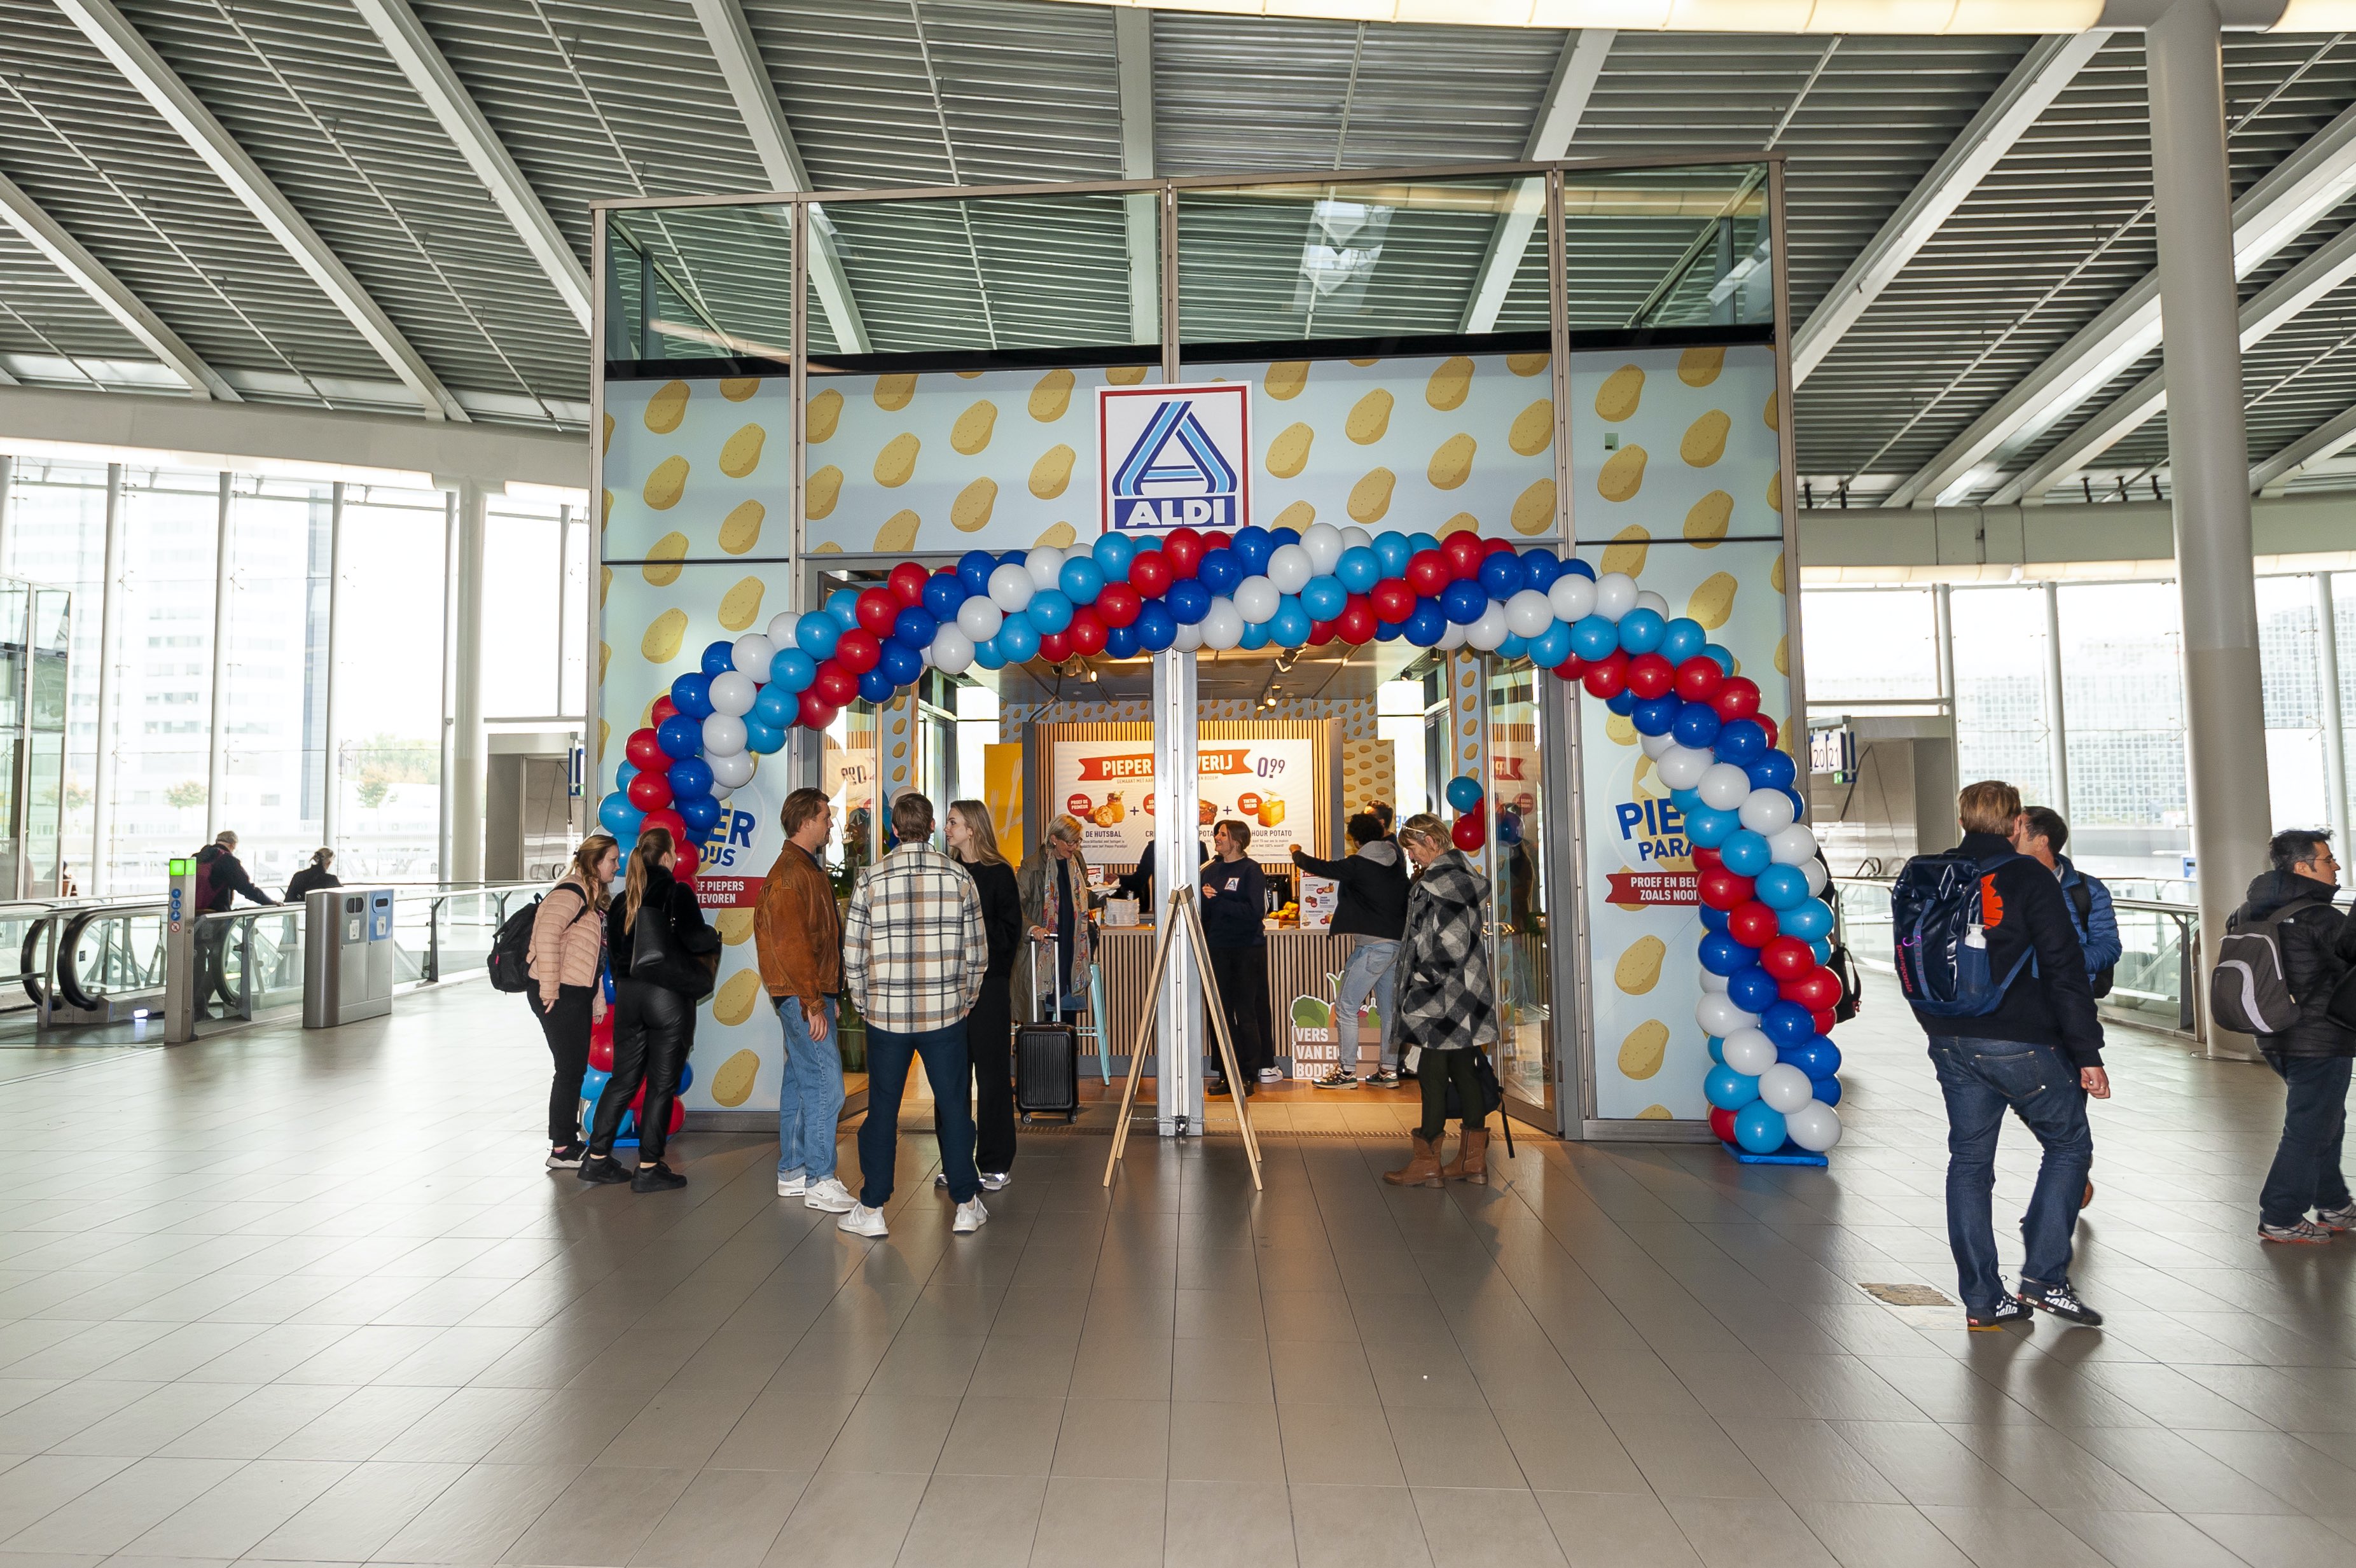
x,y
1990,961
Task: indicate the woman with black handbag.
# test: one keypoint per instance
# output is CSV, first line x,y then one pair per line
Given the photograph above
x,y
663,961
1446,1006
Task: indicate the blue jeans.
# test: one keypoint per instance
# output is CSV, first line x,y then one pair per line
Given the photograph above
x,y
809,1095
949,1069
2306,1172
1369,970
1982,1079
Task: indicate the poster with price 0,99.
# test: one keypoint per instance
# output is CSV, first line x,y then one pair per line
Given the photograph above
x,y
1108,786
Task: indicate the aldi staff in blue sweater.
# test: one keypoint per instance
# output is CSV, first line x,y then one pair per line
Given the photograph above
x,y
1235,903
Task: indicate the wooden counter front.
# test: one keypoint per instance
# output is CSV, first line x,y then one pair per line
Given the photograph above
x,y
1300,963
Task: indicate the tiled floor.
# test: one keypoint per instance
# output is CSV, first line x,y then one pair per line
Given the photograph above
x,y
276,1298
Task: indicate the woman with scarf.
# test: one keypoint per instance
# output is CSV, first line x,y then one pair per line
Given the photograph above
x,y
1055,887
1447,1005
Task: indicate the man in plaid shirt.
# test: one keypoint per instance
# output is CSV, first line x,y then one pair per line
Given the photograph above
x,y
914,954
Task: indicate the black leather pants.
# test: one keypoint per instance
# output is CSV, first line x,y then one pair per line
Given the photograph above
x,y
654,1028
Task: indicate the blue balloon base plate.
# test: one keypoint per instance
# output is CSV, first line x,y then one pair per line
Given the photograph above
x,y
1791,1153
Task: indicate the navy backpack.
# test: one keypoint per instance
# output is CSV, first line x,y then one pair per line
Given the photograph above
x,y
1936,936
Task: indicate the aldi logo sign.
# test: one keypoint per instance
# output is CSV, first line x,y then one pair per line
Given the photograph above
x,y
1175,457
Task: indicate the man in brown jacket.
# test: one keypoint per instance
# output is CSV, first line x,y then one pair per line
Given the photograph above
x,y
800,939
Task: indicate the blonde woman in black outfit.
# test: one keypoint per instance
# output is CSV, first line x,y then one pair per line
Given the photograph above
x,y
654,1014
989,1028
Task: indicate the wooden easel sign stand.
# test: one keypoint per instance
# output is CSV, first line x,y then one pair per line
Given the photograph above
x,y
1181,908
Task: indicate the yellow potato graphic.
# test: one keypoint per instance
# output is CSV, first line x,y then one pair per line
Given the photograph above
x,y
1713,601
733,925
741,605
1654,1113
1782,654
1449,384
1362,364
825,411
1126,375
742,453
1705,440
666,408
1534,509
899,534
741,529
1532,428
1285,378
898,461
1370,498
1775,575
1699,367
1768,413
607,444
1527,364
736,389
660,644
733,1084
1052,472
666,484
1052,396
1289,453
604,658
1642,1052
1296,517
1639,969
827,547
1626,551
1452,464
663,557
821,490
1463,523
733,1002
605,584
1370,416
1622,474
1775,489
1621,729
892,392
971,432
1706,520
1056,536
970,511
1616,398
605,510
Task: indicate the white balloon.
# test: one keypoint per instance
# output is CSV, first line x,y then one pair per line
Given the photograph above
x,y
753,654
1818,878
1356,538
1724,786
1785,1087
1655,603
1712,981
1792,846
1323,541
1189,638
1528,613
1224,627
723,735
1681,767
1011,587
1615,595
733,694
952,650
1290,567
1573,596
1452,638
1656,747
1814,1126
1748,1050
732,771
925,656
1488,633
1767,810
721,792
1257,600
980,618
1717,1014
781,634
1045,566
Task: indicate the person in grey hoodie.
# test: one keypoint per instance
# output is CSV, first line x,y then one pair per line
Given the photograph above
x,y
1372,906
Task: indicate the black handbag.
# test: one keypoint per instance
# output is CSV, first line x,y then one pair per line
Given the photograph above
x,y
656,959
1493,1096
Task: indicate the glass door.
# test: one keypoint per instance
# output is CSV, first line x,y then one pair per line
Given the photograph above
x,y
1518,892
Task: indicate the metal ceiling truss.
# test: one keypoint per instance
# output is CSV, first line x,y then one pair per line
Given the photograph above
x,y
1565,104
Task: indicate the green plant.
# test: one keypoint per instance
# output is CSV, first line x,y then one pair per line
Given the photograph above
x,y
185,794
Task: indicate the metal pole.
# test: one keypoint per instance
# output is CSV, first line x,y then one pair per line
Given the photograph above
x,y
1178,1016
466,705
110,629
2224,741
1942,630
2057,745
331,810
217,763
7,474
445,842
2335,739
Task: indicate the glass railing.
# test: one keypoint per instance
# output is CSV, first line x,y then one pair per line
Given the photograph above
x,y
444,932
249,962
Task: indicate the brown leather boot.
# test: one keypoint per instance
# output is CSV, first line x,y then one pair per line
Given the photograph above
x,y
1471,1162
1423,1170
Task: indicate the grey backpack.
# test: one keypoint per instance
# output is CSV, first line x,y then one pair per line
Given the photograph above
x,y
2247,991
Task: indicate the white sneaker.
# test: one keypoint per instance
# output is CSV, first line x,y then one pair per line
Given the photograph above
x,y
993,1180
828,1195
970,1216
864,1221
1271,1075
793,1186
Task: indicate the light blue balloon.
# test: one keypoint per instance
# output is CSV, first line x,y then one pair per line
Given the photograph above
x,y
624,771
1592,637
1048,612
1255,636
1324,598
1728,1090
1515,647
592,1084
776,707
1463,793
985,654
1018,639
1759,1127
1724,660
1113,552
1710,828
790,672
763,738
1782,886
1552,646
1641,629
816,634
843,605
1821,949
1717,1048
1807,920
1081,579
1745,852
1683,639
1358,570
1289,627
618,817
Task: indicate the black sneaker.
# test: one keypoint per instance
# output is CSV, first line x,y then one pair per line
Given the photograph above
x,y
1217,1086
2062,1302
2012,1309
656,1176
567,1156
602,1169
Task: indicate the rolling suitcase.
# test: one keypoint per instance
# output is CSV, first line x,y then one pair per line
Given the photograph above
x,y
1046,1051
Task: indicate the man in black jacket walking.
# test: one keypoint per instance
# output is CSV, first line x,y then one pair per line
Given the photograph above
x,y
2318,944
2038,1053
225,878
1372,906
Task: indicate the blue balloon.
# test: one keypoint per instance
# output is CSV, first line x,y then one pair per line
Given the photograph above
x,y
1112,553
843,605
691,695
1728,1090
943,594
1776,770
1656,716
1220,571
1758,1128
592,1084
624,771
790,672
1821,949
1017,640
1828,1089
1818,1057
1781,887
899,664
1641,629
1515,647
1799,807
985,654
1696,725
1188,601
1713,919
1120,641
1324,598
1391,551
974,567
1425,624
700,812
686,1076
618,817
761,738
1724,660
876,686
1252,548
1709,828
1593,637
916,626
1501,575
1081,579
1144,544
1541,568
1621,702
1462,601
1745,853
1013,558
1255,636
1579,568
719,658
1463,793
1155,628
1722,954
1717,1048
1807,920
1418,541
1686,800
816,634
1049,611
1552,646
1787,1023
1358,570
1683,639
1752,989
1291,625
679,736
1278,538
1741,742
690,777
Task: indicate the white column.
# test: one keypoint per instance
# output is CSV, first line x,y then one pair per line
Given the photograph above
x,y
2224,741
443,841
110,688
217,764
466,698
2335,738
2056,740
7,473
1943,629
331,812
1178,1037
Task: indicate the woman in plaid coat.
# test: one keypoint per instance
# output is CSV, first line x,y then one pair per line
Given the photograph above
x,y
1446,1003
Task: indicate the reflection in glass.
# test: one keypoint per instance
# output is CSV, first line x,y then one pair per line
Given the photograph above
x,y
1518,888
700,282
1668,247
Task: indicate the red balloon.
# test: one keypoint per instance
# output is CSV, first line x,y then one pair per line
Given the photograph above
x,y
1055,647
1751,924
603,1029
1118,604
1607,675
1705,859
689,857
1737,698
650,791
1216,538
1649,676
1151,575
1464,554
1816,990
1321,632
1427,572
600,1052
857,650
833,683
1787,958
1721,890
1699,678
1087,632
1470,833
1825,1021
815,713
669,821
678,1118
1491,546
1721,1124
1764,722
1392,600
1356,622
1571,669
664,708
645,751
878,608
908,582
1183,549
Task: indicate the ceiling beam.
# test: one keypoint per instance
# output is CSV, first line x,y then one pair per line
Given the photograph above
x,y
2270,309
2016,105
2282,204
729,35
90,274
1132,48
421,60
2327,440
1559,113
161,86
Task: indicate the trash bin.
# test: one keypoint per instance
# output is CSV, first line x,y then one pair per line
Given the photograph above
x,y
347,955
